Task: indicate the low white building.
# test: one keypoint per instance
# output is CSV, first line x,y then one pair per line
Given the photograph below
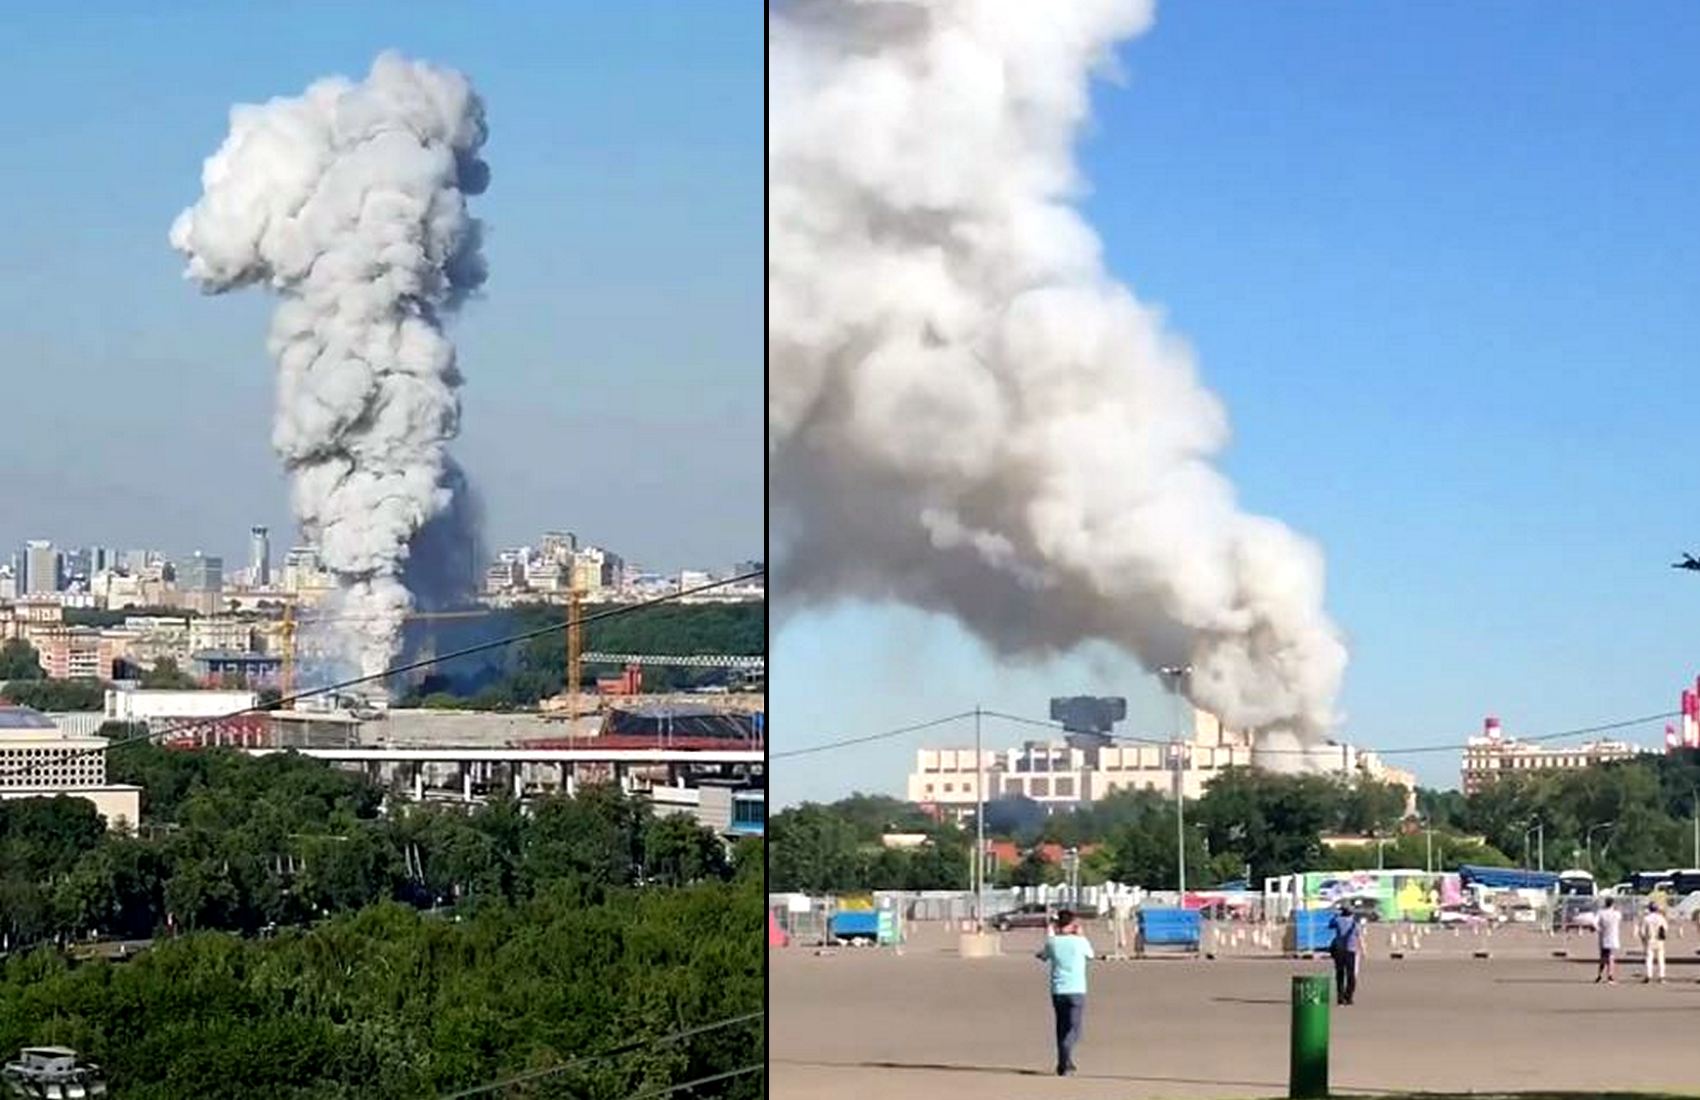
x,y
39,760
150,705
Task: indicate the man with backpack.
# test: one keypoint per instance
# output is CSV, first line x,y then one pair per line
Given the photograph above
x,y
1348,941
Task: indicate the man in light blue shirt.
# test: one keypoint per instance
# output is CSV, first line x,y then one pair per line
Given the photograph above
x,y
1348,942
1067,951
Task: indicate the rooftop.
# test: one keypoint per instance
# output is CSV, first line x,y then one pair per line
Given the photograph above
x,y
24,718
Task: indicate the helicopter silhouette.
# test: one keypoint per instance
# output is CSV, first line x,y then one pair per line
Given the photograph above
x,y
1689,561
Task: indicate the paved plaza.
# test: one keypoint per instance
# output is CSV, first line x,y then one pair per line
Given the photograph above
x,y
861,1024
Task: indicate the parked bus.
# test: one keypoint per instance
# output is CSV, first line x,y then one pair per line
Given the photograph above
x,y
1575,884
1684,881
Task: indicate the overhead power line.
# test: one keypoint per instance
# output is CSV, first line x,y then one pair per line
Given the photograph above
x,y
612,1052
1459,746
669,1090
865,739
614,612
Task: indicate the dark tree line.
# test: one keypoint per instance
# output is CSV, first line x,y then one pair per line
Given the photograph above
x,y
241,844
1248,820
400,951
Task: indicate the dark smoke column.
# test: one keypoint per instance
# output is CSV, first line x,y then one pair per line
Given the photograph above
x,y
350,203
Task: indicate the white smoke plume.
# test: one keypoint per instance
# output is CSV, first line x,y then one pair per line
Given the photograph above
x,y
350,202
967,413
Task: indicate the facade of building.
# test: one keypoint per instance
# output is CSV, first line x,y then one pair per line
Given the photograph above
x,y
226,667
73,652
41,564
259,558
1059,776
596,569
203,573
1491,755
39,760
221,632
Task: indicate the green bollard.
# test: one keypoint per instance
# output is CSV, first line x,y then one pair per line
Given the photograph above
x,y
1307,1074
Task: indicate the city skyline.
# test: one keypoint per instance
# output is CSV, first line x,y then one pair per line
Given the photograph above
x,y
612,363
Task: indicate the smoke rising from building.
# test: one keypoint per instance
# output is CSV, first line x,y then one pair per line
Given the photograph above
x,y
967,413
350,203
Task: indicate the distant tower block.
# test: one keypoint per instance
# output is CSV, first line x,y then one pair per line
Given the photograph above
x,y
259,557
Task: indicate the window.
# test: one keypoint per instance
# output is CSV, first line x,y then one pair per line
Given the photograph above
x,y
949,788
1041,788
1065,786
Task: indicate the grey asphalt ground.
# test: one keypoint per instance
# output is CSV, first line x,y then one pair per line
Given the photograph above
x,y
872,1024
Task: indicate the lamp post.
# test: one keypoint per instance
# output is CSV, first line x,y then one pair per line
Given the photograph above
x,y
1695,799
1589,840
979,828
1173,675
1539,830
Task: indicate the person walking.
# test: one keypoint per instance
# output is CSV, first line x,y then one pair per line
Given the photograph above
x,y
1610,925
1067,951
1348,940
1654,929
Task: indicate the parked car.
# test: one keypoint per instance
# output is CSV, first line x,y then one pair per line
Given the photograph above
x,y
1025,916
1034,915
1365,909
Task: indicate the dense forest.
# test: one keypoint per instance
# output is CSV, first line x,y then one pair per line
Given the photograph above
x,y
312,941
1611,819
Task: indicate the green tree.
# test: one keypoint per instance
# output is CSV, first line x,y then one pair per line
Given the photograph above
x,y
166,675
57,695
677,851
812,850
18,661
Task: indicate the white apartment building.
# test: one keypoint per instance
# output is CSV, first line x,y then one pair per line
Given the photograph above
x,y
39,760
1492,754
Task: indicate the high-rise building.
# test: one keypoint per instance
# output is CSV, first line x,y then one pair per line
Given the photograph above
x,y
41,572
259,558
77,566
559,547
595,569
203,573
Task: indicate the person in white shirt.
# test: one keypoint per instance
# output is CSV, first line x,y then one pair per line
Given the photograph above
x,y
1610,925
1654,929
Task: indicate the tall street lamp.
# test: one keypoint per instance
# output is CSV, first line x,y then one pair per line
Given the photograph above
x,y
1589,839
1173,675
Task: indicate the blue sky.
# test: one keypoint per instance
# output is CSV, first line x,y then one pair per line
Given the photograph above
x,y
1440,261
612,369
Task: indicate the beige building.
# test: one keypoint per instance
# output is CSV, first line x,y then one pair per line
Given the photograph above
x,y
1491,755
39,760
1060,776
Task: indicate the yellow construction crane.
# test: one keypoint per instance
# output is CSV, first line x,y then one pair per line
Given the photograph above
x,y
286,674
575,646
289,628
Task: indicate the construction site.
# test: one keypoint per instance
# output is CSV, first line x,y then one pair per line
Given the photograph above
x,y
699,751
